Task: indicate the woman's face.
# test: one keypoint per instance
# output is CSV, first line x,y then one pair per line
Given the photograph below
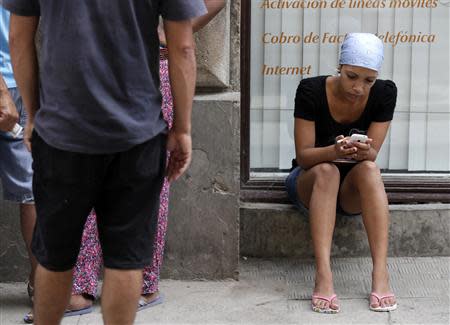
x,y
355,82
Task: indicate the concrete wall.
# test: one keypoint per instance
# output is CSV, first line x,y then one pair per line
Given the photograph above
x,y
203,235
13,262
218,51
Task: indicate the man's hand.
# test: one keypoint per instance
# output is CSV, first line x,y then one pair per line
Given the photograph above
x,y
8,112
27,132
180,147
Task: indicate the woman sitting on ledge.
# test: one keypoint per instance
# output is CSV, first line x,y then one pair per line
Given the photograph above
x,y
337,173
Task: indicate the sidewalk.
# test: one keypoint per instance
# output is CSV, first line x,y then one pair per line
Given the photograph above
x,y
277,292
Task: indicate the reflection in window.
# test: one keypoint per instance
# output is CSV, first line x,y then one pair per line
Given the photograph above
x,y
289,44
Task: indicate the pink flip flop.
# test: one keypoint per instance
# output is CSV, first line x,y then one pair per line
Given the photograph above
x,y
328,310
379,298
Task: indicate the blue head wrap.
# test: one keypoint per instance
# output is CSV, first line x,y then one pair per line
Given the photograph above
x,y
362,50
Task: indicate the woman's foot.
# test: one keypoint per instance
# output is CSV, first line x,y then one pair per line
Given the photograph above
x,y
323,299
375,302
30,287
78,305
30,291
79,302
381,297
149,297
327,301
29,318
149,300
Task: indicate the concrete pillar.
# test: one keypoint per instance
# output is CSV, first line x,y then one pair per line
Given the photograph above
x,y
203,234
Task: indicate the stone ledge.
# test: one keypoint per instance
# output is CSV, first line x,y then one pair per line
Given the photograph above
x,y
219,97
278,230
392,207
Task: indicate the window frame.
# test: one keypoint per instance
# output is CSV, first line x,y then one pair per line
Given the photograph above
x,y
400,189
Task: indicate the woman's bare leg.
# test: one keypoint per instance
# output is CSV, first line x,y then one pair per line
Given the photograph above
x,y
317,188
363,190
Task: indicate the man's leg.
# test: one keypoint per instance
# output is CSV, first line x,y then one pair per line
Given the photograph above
x,y
127,212
120,296
52,295
27,222
64,188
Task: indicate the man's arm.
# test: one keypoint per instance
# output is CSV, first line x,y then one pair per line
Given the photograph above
x,y
182,71
8,112
24,59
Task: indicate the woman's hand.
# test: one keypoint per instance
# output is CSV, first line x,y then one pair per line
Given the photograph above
x,y
363,149
344,149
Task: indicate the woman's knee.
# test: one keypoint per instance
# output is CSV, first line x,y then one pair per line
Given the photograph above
x,y
326,175
367,172
369,168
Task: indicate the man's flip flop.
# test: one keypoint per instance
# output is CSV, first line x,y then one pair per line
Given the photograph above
x,y
379,298
144,304
328,310
29,318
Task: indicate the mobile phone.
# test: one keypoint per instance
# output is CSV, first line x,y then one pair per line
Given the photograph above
x,y
358,138
16,131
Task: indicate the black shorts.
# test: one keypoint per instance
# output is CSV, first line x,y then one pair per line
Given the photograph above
x,y
123,188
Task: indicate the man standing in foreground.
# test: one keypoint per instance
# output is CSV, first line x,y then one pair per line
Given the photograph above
x,y
99,139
